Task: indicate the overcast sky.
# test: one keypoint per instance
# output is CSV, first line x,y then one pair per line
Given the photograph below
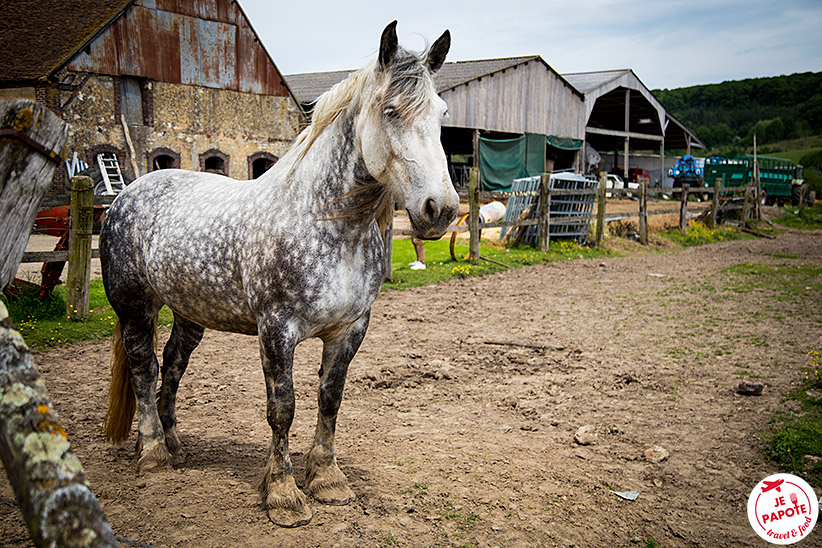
x,y
668,44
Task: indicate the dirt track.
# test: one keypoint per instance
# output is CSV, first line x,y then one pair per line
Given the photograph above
x,y
448,440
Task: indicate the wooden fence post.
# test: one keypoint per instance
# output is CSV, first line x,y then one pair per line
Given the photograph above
x,y
473,216
683,209
715,203
79,256
746,204
544,212
643,211
600,209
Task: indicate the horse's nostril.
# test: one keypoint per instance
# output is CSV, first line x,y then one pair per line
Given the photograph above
x,y
431,210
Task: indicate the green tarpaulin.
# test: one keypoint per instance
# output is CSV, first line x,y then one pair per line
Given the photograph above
x,y
564,143
503,160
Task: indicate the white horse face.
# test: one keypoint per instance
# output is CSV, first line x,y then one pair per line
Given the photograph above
x,y
399,136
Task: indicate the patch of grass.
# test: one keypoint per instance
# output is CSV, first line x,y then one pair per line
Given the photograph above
x,y
790,280
26,305
441,267
47,325
699,234
809,219
796,440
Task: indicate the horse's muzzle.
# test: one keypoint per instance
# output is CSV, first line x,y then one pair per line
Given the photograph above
x,y
435,217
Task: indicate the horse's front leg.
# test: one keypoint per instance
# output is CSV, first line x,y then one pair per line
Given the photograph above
x,y
325,480
287,505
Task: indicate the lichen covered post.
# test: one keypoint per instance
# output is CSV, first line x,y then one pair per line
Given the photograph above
x,y
48,479
79,263
600,209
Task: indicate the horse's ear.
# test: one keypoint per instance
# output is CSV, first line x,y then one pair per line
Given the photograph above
x,y
436,55
388,45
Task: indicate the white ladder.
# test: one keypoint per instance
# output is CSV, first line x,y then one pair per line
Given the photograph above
x,y
112,177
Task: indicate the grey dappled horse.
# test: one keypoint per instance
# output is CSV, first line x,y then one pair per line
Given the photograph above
x,y
294,254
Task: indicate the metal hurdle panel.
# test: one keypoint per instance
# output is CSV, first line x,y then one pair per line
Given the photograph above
x,y
571,206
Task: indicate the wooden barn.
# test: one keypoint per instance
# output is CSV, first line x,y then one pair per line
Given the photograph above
x,y
623,116
508,108
156,83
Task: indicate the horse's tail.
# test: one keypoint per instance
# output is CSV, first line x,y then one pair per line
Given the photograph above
x,y
122,403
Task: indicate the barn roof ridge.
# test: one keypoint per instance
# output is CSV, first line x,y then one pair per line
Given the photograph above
x,y
308,86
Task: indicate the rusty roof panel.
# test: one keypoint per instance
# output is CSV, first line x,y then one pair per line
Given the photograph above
x,y
219,51
221,11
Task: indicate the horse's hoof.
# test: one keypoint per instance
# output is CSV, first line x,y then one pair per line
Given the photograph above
x,y
154,457
290,517
327,483
335,495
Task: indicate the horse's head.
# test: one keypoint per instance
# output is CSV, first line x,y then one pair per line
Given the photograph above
x,y
398,133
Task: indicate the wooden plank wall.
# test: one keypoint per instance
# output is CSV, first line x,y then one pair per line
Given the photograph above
x,y
529,98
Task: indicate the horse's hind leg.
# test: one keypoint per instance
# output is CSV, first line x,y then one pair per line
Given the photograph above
x,y
185,336
138,341
325,480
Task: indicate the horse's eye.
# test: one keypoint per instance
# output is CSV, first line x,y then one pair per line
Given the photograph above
x,y
390,112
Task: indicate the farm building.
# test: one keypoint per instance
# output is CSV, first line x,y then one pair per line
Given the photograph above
x,y
622,115
520,113
157,83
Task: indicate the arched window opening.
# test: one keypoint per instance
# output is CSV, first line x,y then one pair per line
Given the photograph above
x,y
163,158
214,161
214,164
259,163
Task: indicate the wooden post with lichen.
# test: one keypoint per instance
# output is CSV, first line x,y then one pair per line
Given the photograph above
x,y
48,480
31,137
715,203
643,211
79,256
544,212
600,209
683,209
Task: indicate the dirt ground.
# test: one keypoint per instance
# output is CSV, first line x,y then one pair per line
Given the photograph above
x,y
451,439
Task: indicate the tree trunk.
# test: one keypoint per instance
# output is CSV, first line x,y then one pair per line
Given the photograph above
x,y
48,479
31,138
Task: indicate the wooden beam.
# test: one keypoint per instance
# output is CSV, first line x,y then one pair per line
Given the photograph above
x,y
617,133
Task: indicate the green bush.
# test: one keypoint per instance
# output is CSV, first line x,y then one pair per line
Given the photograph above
x,y
812,162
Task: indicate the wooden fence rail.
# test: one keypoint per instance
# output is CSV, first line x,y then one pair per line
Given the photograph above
x,y
80,253
544,221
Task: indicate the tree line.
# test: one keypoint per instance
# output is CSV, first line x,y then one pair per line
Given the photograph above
x,y
726,116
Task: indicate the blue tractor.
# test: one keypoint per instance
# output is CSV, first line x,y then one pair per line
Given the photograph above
x,y
687,172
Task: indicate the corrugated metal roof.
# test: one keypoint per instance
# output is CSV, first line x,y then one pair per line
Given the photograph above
x,y
586,81
309,86
38,36
457,73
